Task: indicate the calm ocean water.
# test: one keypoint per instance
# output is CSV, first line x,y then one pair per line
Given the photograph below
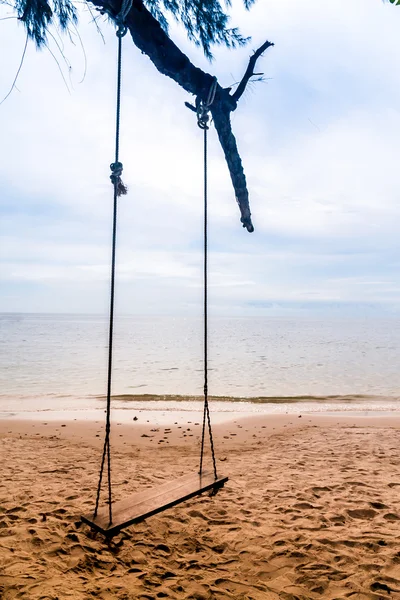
x,y
59,361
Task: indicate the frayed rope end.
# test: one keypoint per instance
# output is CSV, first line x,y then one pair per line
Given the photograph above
x,y
122,190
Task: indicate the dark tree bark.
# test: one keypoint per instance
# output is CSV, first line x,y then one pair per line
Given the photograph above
x,y
151,39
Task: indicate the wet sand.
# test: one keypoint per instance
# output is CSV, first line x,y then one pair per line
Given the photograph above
x,y
311,510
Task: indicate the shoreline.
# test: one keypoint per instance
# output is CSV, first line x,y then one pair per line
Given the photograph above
x,y
167,409
257,399
160,417
222,398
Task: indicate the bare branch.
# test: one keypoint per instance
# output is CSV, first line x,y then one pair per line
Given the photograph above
x,y
94,20
58,65
84,53
250,70
191,107
60,49
18,71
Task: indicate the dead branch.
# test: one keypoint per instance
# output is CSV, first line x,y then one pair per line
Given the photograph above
x,y
250,70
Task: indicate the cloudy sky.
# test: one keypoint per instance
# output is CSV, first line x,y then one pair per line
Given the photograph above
x,y
320,142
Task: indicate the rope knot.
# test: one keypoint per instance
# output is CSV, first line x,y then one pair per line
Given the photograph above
x,y
116,172
120,18
203,106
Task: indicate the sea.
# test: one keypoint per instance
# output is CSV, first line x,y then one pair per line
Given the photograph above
x,y
57,364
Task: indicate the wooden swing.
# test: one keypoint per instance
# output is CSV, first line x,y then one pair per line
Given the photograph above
x,y
112,519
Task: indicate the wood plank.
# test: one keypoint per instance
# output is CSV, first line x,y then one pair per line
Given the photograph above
x,y
144,504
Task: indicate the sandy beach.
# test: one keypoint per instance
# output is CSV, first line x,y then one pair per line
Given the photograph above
x,y
311,510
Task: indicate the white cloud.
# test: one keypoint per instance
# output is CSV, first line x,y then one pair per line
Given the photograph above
x,y
318,140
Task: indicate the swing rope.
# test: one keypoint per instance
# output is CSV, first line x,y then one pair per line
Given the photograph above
x,y
203,110
119,190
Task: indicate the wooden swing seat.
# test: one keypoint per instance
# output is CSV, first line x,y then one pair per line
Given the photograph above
x,y
144,504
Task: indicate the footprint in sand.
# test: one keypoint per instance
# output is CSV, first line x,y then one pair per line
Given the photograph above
x,y
304,506
378,505
316,489
391,517
362,513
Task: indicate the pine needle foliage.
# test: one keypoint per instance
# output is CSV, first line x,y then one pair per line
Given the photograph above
x,y
206,21
38,15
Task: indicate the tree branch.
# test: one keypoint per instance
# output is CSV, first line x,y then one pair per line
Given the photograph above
x,y
228,142
152,40
250,70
